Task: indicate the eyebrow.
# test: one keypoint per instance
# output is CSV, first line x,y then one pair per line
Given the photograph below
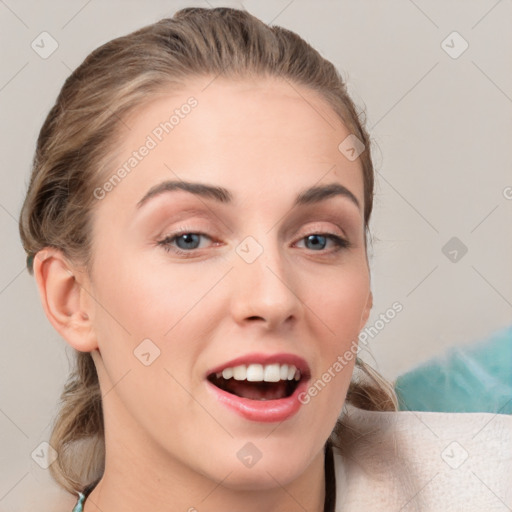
x,y
222,195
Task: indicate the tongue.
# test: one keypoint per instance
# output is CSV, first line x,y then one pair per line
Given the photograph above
x,y
257,390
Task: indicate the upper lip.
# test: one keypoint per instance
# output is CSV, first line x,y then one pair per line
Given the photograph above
x,y
264,359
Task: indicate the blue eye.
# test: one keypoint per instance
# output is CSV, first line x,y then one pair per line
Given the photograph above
x,y
319,240
190,242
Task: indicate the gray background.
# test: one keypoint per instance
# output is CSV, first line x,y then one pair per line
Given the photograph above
x,y
442,128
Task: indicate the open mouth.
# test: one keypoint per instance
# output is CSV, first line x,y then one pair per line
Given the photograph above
x,y
258,382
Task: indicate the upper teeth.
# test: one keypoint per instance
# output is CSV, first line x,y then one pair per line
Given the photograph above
x,y
259,372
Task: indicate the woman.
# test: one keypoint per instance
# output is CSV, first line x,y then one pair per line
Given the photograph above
x,y
196,223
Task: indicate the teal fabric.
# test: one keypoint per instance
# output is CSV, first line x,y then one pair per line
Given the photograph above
x,y
475,378
80,503
83,495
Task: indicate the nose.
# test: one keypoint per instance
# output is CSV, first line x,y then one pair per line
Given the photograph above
x,y
264,290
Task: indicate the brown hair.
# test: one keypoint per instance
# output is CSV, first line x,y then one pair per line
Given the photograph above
x,y
75,148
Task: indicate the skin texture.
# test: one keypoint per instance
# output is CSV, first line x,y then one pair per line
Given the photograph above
x,y
168,440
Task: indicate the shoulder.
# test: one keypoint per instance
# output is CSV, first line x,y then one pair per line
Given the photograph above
x,y
424,461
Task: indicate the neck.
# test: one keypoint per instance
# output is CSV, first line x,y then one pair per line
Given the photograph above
x,y
130,492
141,477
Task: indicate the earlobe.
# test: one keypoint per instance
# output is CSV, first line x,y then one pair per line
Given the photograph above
x,y
60,294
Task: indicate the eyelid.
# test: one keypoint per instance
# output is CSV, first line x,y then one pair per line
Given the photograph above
x,y
314,228
317,227
208,228
186,228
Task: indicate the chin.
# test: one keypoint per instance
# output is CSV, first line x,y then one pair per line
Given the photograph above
x,y
252,468
263,477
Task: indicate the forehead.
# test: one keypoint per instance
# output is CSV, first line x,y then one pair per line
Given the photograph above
x,y
259,138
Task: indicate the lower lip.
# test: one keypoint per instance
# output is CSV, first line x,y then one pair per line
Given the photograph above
x,y
261,410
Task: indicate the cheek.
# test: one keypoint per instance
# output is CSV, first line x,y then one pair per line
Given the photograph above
x,y
140,303
142,314
342,302
145,302
340,308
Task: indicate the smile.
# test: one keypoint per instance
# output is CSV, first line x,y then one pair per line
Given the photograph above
x,y
260,387
257,381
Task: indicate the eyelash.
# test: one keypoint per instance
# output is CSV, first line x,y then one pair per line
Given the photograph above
x,y
165,243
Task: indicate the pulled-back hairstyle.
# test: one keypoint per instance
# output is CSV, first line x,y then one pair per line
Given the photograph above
x,y
76,147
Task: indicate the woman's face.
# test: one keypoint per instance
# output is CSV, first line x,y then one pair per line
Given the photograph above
x,y
255,278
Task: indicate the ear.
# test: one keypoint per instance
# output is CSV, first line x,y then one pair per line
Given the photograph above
x,y
65,301
366,311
